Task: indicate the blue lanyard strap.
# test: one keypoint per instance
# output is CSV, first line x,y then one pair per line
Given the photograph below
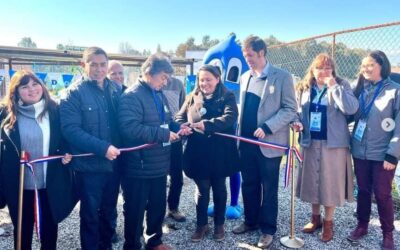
x,y
365,109
319,95
159,106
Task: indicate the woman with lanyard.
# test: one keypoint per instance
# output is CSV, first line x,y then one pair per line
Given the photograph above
x,y
30,122
209,158
325,178
375,144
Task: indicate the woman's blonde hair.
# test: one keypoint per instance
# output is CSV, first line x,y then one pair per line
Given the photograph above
x,y
321,60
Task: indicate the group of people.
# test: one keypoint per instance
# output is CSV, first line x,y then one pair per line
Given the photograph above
x,y
99,115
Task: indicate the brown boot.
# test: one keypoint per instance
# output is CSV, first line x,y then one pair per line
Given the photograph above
x,y
327,230
219,233
359,232
387,243
313,225
200,233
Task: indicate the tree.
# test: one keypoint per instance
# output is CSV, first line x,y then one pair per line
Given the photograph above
x,y
26,42
207,43
159,50
190,45
126,48
60,47
296,58
146,52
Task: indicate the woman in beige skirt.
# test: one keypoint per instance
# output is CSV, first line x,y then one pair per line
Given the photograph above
x,y
325,178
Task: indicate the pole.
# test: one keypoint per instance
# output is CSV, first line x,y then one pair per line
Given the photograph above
x,y
20,200
292,241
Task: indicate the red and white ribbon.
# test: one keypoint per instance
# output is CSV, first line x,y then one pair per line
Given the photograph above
x,y
288,151
30,163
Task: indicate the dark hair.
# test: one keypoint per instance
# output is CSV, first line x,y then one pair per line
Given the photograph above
x,y
157,63
255,43
92,51
381,59
214,70
10,101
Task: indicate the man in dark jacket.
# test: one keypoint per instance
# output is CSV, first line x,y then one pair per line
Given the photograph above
x,y
89,123
145,117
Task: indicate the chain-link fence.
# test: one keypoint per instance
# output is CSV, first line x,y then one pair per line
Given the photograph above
x,y
348,48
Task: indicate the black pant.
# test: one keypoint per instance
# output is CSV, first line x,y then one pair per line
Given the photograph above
x,y
97,198
115,183
260,189
142,195
203,198
176,176
48,226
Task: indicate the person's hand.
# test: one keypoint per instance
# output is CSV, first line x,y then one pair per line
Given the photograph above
x,y
112,153
297,126
259,133
388,166
185,129
173,136
330,81
66,159
198,125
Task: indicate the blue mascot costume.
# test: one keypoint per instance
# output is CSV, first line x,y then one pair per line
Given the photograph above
x,y
228,56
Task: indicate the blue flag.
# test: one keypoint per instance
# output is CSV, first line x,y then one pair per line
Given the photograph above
x,y
67,78
42,76
11,72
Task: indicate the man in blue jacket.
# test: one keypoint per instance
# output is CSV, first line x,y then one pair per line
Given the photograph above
x,y
89,123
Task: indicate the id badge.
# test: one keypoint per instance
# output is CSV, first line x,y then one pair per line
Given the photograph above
x,y
165,144
315,121
361,125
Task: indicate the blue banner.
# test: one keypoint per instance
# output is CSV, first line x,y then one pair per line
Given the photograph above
x,y
67,79
42,76
11,72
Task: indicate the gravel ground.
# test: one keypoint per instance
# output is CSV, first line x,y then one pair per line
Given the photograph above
x,y
178,234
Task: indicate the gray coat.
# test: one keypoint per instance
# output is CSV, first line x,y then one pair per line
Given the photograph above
x,y
341,102
378,144
277,107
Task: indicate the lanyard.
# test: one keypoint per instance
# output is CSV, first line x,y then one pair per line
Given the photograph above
x,y
159,106
319,96
365,109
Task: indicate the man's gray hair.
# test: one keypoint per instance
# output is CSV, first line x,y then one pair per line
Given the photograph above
x,y
157,63
114,62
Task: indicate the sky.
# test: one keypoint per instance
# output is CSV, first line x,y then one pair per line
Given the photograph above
x,y
147,23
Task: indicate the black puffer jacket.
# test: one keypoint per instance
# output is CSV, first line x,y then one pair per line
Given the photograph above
x,y
139,123
207,155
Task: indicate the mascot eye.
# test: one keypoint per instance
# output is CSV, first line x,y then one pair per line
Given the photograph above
x,y
234,70
216,62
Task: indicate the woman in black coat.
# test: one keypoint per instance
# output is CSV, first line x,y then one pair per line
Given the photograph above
x,y
209,158
30,122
